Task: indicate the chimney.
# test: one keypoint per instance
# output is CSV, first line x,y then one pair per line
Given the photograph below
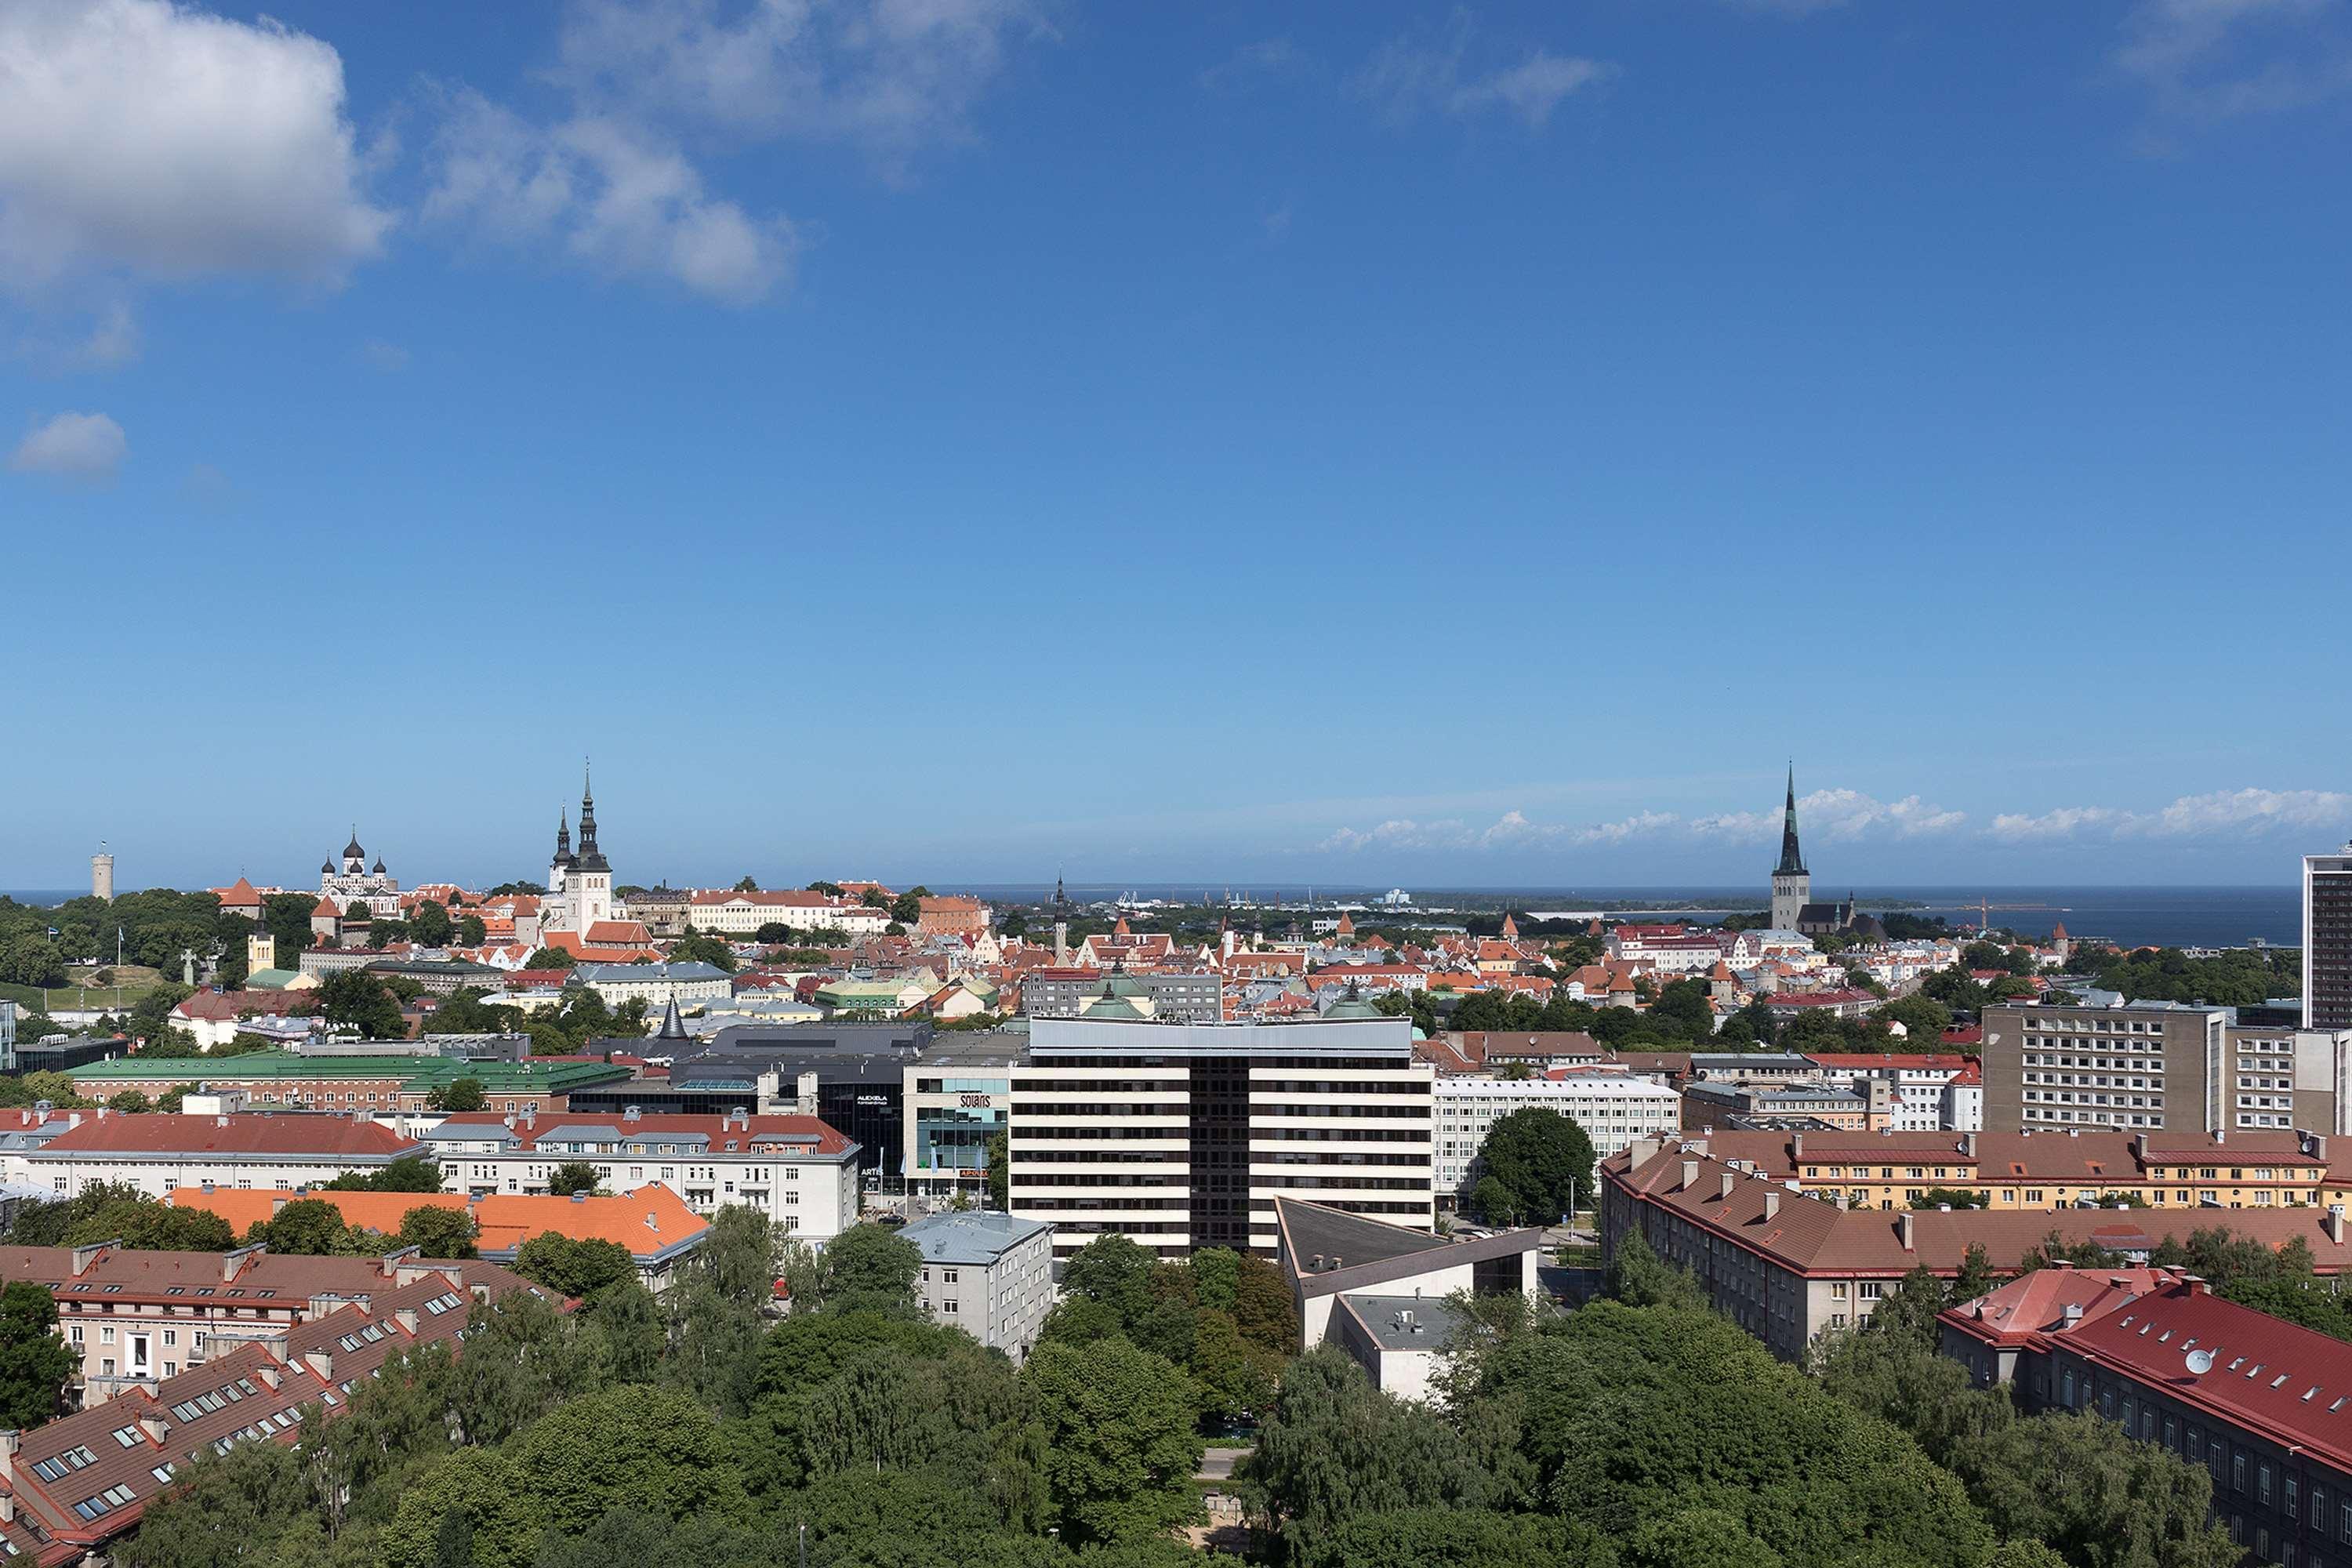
x,y
277,1202
322,1364
2316,1145
233,1263
85,1258
1729,1182
1969,1144
2140,1147
529,1118
1771,1203
1690,1174
1840,1200
406,1318
2220,1137
1796,1146
633,1113
2336,1224
1904,1228
9,1440
155,1426
2074,1313
221,1120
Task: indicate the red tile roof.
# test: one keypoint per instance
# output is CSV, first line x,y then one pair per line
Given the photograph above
x,y
809,1133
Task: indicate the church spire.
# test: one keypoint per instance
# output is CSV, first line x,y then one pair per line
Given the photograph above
x,y
562,834
591,858
1792,860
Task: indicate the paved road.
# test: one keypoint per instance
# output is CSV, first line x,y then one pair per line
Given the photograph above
x,y
1217,1464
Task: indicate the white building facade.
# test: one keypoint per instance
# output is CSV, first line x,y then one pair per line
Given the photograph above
x,y
799,1170
1612,1107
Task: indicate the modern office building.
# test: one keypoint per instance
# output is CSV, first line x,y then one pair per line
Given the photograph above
x,y
1181,1136
2328,941
991,1275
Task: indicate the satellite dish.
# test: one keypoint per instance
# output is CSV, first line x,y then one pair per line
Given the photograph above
x,y
2200,1362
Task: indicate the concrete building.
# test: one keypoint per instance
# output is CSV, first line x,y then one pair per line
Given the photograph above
x,y
1068,992
156,1152
1861,1105
1182,1136
1788,1266
2255,1401
1378,1290
102,874
2328,941
2160,1065
797,1170
1612,1107
991,1275
732,913
1921,1081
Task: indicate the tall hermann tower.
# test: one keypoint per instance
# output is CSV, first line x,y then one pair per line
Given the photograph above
x,y
1792,885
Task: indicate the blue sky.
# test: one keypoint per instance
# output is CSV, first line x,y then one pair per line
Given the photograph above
x,y
965,438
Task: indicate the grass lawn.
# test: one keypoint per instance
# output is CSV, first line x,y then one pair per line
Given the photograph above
x,y
134,981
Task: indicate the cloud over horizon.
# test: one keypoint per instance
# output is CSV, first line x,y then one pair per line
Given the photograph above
x,y
85,447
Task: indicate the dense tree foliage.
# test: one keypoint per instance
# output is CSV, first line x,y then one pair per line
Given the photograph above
x,y
2238,977
1543,1159
35,1359
359,1000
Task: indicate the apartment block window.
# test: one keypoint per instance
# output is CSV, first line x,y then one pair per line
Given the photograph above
x,y
2263,1484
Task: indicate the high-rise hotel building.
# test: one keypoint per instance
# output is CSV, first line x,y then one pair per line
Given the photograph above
x,y
2328,941
1180,1136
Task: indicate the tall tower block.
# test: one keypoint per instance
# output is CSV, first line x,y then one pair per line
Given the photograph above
x,y
102,874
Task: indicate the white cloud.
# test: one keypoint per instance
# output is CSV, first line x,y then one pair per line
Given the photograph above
x,y
2247,812
1512,829
601,193
1406,76
891,75
158,138
1837,813
1261,59
2216,59
87,447
112,342
609,181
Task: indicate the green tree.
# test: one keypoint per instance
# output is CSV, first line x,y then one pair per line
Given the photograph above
x,y
906,908
131,1101
142,1225
409,1174
430,924
35,1359
1544,1158
870,1264
710,950
459,1094
440,1232
307,1228
471,932
1120,1441
1495,1203
356,1000
572,1268
572,1176
2078,1483
1000,1171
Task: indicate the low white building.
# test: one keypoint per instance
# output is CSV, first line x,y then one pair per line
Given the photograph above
x,y
1613,1106
742,914
1666,948
799,1171
1378,1290
688,984
154,1152
1752,949
991,1275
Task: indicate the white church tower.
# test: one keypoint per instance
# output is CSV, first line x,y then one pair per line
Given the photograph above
x,y
579,883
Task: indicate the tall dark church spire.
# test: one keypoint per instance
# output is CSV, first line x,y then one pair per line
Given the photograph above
x,y
591,858
564,836
1792,862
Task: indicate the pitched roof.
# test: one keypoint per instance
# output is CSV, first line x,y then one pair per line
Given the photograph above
x,y
651,1221
309,1136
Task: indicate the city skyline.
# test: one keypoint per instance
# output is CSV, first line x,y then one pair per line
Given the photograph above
x,y
1356,445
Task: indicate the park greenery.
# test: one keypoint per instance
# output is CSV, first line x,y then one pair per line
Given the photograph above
x,y
691,1427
